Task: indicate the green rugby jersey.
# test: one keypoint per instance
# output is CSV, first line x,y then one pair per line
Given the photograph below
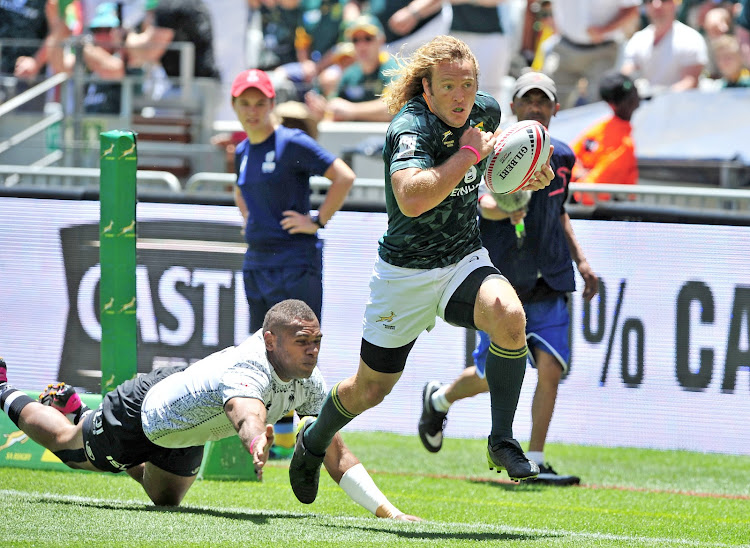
x,y
448,232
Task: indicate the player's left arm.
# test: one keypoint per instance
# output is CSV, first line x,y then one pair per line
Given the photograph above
x,y
590,279
248,416
350,474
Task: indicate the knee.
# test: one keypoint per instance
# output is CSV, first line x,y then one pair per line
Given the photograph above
x,y
509,329
374,393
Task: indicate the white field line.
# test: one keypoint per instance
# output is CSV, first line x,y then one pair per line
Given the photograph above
x,y
459,527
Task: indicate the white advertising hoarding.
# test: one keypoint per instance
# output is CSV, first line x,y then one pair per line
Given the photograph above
x,y
661,358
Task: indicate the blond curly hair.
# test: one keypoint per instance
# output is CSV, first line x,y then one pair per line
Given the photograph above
x,y
407,82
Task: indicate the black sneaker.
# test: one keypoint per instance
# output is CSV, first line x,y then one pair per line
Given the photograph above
x,y
548,476
304,469
64,398
509,455
432,422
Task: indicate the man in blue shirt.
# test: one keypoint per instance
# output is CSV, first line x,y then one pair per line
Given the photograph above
x,y
284,258
541,271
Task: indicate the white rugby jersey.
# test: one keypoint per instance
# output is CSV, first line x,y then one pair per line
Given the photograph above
x,y
187,408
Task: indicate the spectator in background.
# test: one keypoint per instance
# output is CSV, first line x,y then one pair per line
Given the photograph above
x,y
729,61
316,39
271,33
409,24
131,13
589,34
666,55
358,94
341,58
320,29
544,28
102,55
605,152
693,12
23,21
479,25
176,21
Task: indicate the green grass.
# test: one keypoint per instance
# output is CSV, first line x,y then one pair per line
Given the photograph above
x,y
629,498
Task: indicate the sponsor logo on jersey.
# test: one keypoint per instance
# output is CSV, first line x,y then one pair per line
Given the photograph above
x,y
464,190
471,175
269,165
407,146
446,136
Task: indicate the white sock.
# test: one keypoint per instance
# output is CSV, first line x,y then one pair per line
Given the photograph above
x,y
536,456
439,402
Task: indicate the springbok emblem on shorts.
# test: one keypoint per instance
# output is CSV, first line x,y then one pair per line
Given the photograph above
x,y
386,318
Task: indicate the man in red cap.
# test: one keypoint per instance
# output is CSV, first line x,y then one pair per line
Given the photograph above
x,y
284,258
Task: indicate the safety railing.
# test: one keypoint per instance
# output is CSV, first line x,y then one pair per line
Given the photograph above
x,y
29,176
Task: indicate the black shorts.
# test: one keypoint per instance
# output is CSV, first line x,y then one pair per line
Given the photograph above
x,y
113,437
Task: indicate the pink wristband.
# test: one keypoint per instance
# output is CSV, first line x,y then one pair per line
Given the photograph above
x,y
252,443
475,151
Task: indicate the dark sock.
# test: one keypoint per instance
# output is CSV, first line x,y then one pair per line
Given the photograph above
x,y
333,417
12,401
504,372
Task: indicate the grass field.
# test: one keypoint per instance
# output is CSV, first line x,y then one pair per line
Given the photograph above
x,y
628,498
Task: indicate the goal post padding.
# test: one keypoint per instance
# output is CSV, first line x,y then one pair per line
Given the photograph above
x,y
117,257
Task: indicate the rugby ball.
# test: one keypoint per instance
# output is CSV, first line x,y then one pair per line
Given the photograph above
x,y
520,151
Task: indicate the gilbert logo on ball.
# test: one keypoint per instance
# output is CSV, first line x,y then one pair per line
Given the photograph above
x,y
520,151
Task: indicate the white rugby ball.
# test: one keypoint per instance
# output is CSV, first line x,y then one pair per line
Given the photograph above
x,y
520,151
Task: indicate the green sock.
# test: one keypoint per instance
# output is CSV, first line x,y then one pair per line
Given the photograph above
x,y
504,372
333,417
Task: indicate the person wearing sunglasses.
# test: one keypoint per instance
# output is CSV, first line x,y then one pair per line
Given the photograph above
x,y
362,83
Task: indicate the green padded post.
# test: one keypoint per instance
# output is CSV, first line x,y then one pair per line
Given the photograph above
x,y
117,239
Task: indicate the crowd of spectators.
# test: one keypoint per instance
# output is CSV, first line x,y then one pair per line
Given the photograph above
x,y
307,46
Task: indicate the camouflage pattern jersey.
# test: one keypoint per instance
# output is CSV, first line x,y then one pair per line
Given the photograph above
x,y
444,235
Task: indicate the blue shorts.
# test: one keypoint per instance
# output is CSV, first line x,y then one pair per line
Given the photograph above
x,y
547,324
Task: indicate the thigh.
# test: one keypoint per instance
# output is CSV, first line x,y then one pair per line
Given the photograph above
x,y
165,488
403,302
112,441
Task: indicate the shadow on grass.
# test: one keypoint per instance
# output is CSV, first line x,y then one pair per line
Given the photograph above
x,y
445,535
258,517
261,517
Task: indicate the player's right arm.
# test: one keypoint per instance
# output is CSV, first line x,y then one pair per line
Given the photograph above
x,y
350,474
420,190
248,416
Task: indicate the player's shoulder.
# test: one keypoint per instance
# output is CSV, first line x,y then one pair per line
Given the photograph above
x,y
487,103
415,110
486,109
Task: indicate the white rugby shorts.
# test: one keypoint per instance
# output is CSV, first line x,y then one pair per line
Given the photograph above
x,y
405,301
